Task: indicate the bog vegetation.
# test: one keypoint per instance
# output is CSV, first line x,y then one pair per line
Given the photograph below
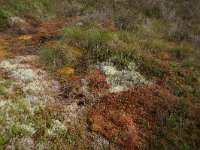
x,y
133,67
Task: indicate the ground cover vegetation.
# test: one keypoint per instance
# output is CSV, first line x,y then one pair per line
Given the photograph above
x,y
100,74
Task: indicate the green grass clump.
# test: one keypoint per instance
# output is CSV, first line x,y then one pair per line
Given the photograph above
x,y
55,56
122,58
103,45
87,37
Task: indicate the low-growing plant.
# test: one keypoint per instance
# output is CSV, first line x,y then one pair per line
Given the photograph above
x,y
93,41
103,45
86,37
122,58
3,140
56,56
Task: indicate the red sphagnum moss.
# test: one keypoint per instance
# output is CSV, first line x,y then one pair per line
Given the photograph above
x,y
127,118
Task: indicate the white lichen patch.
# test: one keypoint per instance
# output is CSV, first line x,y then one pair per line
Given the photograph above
x,y
117,88
33,87
33,81
109,70
29,90
7,65
24,75
122,80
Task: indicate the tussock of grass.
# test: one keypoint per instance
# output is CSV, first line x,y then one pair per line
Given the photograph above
x,y
56,56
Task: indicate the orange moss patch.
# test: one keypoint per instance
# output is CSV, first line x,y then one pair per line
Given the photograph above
x,y
25,37
128,118
76,52
66,72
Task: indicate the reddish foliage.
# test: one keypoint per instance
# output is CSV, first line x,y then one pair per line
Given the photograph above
x,y
98,81
48,26
74,78
127,117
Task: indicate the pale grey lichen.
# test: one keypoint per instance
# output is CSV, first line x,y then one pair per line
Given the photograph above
x,y
33,87
24,75
109,70
122,80
36,90
7,65
117,88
